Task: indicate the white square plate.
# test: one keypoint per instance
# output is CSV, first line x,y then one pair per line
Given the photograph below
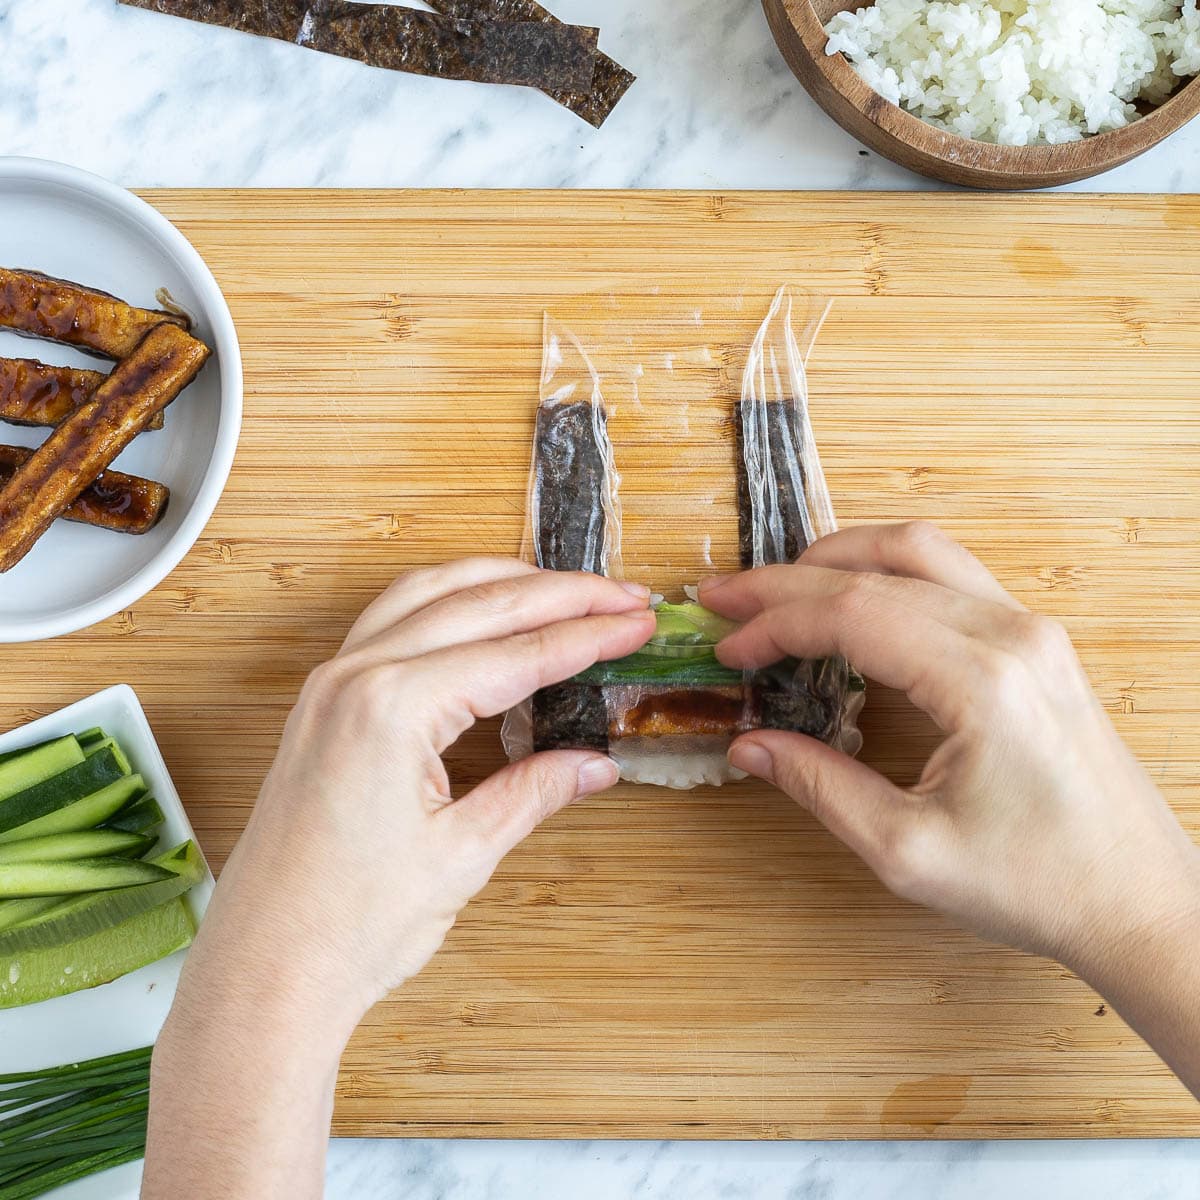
x,y
128,1012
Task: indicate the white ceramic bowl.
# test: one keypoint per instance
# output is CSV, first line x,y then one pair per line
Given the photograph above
x,y
128,1012
68,223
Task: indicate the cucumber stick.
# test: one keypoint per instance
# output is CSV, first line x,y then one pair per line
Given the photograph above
x,y
16,912
32,975
81,875
83,813
28,767
89,737
57,791
87,843
81,916
110,743
138,816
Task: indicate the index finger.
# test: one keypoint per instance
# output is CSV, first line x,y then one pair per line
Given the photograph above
x,y
913,549
468,682
415,590
829,613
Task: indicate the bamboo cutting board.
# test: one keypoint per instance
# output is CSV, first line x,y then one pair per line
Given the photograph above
x,y
1024,370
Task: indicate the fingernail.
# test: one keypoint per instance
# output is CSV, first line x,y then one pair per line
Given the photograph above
x,y
595,775
753,759
711,582
636,589
638,614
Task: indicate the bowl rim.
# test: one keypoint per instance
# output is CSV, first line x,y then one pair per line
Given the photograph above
x,y
1056,164
213,305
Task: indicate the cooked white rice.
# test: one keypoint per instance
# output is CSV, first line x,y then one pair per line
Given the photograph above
x,y
1021,72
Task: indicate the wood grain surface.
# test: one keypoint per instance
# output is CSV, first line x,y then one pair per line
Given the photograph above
x,y
1026,371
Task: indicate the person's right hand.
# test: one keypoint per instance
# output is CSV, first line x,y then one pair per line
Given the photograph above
x,y
1031,823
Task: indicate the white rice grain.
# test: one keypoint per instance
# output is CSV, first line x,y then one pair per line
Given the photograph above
x,y
1021,72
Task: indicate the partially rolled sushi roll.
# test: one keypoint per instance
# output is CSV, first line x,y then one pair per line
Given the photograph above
x,y
668,713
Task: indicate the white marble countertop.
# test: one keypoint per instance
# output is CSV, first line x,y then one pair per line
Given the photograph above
x,y
150,101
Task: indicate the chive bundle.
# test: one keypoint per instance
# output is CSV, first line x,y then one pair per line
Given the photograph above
x,y
63,1123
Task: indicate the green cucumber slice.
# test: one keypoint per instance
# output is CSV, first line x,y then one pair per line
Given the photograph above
x,y
78,875
81,916
58,790
84,813
138,816
16,912
90,737
110,743
28,767
87,843
32,975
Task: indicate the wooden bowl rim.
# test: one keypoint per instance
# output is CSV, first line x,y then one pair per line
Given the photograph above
x,y
1094,153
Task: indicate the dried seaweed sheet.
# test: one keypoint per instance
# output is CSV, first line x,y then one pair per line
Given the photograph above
x,y
769,428
574,520
593,104
551,57
570,479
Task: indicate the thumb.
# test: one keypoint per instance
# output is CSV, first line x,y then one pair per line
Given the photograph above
x,y
507,807
857,805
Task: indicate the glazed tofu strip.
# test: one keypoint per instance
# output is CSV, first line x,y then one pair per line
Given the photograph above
x,y
61,311
75,454
116,501
32,393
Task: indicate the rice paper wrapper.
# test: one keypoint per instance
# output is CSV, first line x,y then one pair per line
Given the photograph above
x,y
763,499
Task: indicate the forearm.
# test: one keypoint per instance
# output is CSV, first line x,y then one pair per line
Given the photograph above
x,y
1148,968
242,1086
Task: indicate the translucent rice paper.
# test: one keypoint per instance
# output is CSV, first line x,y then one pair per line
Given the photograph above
x,y
572,453
715,478
780,456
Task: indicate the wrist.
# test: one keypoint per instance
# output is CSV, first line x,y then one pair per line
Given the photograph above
x,y
1143,919
236,983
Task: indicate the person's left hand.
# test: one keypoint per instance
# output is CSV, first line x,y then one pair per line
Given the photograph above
x,y
357,859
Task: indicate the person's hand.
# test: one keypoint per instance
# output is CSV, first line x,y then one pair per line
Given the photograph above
x,y
1031,823
357,859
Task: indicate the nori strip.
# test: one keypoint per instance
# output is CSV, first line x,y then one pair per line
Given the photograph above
x,y
784,493
803,697
570,716
279,19
530,53
610,82
401,39
570,479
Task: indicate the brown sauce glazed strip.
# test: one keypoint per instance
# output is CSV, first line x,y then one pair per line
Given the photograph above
x,y
116,501
74,455
532,53
32,393
61,311
691,712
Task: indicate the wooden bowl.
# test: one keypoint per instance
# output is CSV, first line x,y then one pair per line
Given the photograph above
x,y
798,28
